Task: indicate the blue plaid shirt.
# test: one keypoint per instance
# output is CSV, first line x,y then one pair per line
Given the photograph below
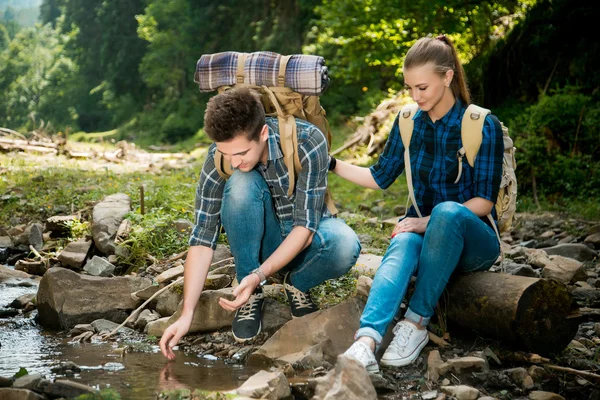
x,y
434,164
305,207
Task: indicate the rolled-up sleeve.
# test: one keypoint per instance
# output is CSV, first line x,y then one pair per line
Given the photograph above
x,y
312,180
488,163
209,195
391,162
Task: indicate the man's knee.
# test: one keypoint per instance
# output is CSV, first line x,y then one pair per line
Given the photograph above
x,y
345,246
244,185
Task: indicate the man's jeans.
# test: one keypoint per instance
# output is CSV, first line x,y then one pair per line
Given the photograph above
x,y
254,233
455,238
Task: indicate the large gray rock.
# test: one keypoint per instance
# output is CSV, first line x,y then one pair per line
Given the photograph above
x,y
208,314
5,242
19,394
106,219
349,380
9,274
99,266
168,301
58,225
75,253
64,388
578,251
266,385
337,324
66,298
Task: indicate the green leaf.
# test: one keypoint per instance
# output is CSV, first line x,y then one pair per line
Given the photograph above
x,y
22,372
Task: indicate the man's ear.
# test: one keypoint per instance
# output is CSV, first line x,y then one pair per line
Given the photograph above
x,y
264,133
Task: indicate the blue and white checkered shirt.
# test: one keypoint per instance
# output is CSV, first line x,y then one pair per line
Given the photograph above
x,y
305,207
434,164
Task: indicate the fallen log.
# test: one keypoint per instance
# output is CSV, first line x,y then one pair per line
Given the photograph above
x,y
18,143
530,313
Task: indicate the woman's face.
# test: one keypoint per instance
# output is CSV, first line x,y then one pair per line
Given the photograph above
x,y
427,87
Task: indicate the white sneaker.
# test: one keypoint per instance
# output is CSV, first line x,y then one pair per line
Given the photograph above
x,y
362,352
406,345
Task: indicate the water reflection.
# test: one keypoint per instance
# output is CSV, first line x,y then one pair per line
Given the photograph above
x,y
144,372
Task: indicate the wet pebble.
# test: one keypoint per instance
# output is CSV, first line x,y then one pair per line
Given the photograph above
x,y
113,366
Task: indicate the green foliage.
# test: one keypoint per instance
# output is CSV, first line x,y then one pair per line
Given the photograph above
x,y
548,50
36,80
365,42
78,229
50,11
333,291
558,143
4,38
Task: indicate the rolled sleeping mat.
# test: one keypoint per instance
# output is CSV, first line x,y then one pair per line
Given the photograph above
x,y
305,74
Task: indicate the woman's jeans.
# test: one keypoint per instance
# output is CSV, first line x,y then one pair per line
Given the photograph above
x,y
455,238
254,233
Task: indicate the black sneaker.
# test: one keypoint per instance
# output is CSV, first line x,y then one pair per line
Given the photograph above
x,y
300,302
247,324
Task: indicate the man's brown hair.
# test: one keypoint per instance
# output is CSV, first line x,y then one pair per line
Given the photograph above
x,y
233,113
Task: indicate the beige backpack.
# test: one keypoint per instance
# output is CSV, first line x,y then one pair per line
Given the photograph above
x,y
471,133
287,105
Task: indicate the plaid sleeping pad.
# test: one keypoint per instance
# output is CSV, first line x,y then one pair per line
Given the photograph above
x,y
304,74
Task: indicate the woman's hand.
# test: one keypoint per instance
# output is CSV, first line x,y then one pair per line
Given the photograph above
x,y
416,225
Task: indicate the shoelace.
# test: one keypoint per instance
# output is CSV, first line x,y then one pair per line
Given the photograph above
x,y
402,333
360,352
300,298
248,310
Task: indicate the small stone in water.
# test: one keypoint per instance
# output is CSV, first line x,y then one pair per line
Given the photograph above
x,y
113,366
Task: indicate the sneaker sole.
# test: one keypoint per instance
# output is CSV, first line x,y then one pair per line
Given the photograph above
x,y
373,369
402,362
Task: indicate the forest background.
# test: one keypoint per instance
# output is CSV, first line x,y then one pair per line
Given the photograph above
x,y
124,70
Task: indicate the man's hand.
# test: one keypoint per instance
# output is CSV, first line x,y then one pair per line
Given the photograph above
x,y
242,293
172,335
416,225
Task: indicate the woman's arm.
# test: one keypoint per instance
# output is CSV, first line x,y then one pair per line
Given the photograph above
x,y
359,175
480,206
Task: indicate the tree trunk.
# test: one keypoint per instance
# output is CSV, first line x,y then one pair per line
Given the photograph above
x,y
528,312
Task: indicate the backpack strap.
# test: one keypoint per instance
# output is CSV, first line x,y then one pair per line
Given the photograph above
x,y
222,166
241,63
472,136
283,61
406,124
472,131
288,140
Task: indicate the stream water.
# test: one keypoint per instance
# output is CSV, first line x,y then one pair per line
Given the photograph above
x,y
135,375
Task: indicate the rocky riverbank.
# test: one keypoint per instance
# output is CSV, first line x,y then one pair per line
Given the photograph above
x,y
83,292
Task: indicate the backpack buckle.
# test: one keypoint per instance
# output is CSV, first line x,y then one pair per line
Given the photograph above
x,y
406,114
475,116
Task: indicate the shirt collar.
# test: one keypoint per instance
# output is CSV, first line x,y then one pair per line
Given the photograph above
x,y
273,143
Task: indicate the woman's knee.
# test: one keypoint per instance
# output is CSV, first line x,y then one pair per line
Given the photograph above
x,y
447,212
405,241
